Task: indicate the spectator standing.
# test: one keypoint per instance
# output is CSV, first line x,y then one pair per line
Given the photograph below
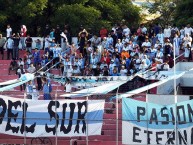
x,y
38,44
82,39
103,32
16,40
36,57
47,89
8,31
2,43
10,44
28,43
176,45
57,35
167,32
46,34
23,34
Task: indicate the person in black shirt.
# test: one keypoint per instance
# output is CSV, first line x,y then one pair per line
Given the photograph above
x,y
105,71
57,35
114,38
28,43
97,71
16,40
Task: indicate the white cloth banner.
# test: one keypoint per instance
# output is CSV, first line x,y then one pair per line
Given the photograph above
x,y
145,88
149,123
47,118
104,89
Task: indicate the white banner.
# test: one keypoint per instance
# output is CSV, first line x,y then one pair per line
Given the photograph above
x,y
104,89
48,118
148,123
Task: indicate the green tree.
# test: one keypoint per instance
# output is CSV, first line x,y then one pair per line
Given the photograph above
x,y
184,13
76,15
164,8
90,13
18,12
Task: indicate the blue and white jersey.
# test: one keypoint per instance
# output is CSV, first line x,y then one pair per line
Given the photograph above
x,y
56,51
82,62
77,63
119,47
10,43
109,42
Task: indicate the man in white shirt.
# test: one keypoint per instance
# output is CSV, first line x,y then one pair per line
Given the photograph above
x,y
188,29
8,31
167,32
143,29
160,37
146,44
123,71
9,45
31,68
126,31
68,88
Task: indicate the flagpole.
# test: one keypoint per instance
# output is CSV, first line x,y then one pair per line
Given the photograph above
x,y
117,117
175,98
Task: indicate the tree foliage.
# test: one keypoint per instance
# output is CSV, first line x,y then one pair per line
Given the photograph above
x,y
184,13
90,13
164,8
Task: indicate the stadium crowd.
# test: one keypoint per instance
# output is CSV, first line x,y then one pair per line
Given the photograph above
x,y
121,51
